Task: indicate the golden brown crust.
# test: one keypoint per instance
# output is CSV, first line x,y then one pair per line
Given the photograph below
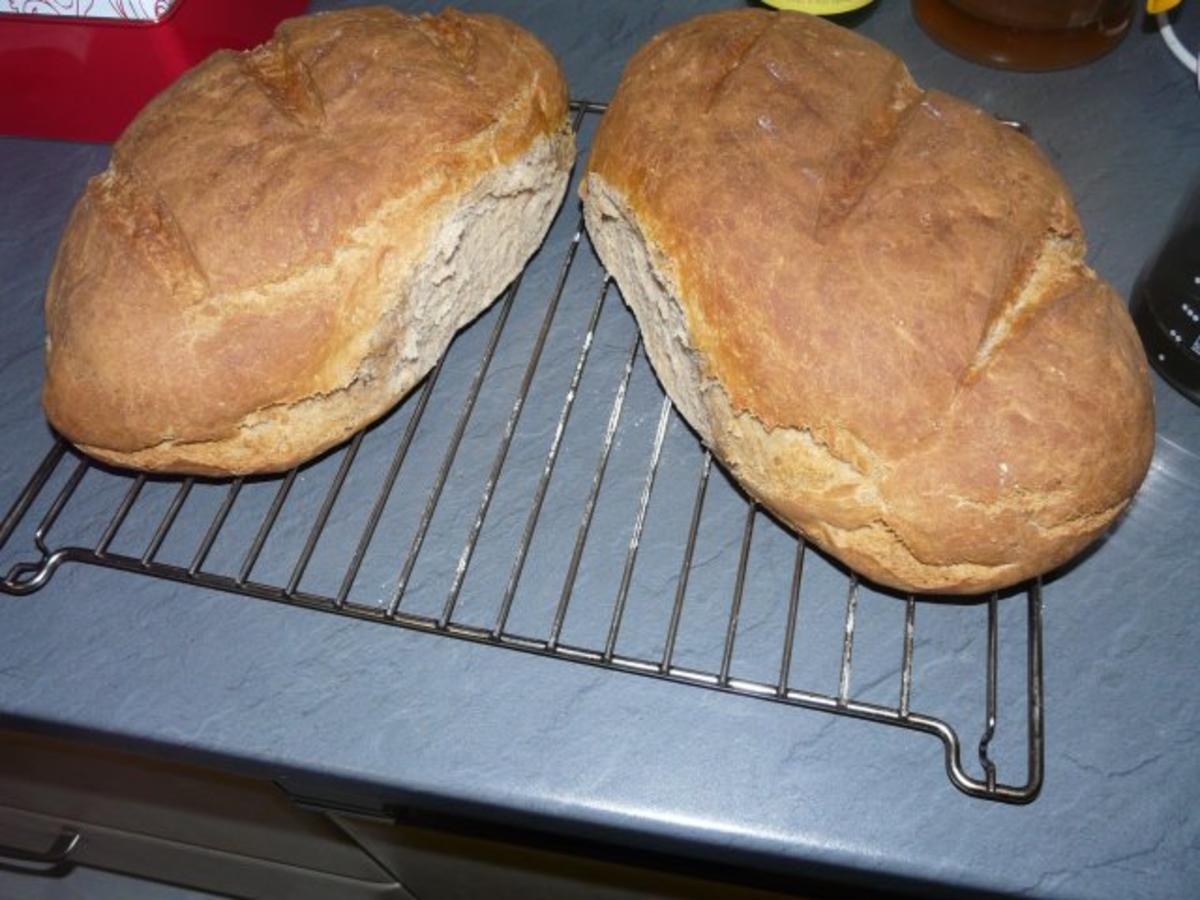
x,y
230,257
892,281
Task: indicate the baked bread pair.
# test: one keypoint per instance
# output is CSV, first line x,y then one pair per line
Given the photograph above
x,y
868,299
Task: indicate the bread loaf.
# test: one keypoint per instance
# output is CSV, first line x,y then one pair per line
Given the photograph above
x,y
287,239
870,301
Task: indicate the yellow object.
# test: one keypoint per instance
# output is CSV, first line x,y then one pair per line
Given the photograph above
x,y
1153,7
832,7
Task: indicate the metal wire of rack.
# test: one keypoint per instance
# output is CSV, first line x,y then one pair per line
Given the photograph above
x,y
204,550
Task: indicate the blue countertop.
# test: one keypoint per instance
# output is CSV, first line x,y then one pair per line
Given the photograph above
x,y
404,717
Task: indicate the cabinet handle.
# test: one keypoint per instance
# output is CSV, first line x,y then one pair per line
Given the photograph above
x,y
318,804
64,845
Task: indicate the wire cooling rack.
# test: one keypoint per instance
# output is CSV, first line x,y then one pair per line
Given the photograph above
x,y
537,492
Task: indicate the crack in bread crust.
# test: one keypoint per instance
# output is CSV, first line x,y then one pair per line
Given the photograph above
x,y
451,35
869,149
287,82
1056,265
742,46
130,206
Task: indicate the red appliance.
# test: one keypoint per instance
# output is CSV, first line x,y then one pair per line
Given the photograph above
x,y
83,78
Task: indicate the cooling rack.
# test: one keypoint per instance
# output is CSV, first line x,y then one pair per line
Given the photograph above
x,y
537,492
